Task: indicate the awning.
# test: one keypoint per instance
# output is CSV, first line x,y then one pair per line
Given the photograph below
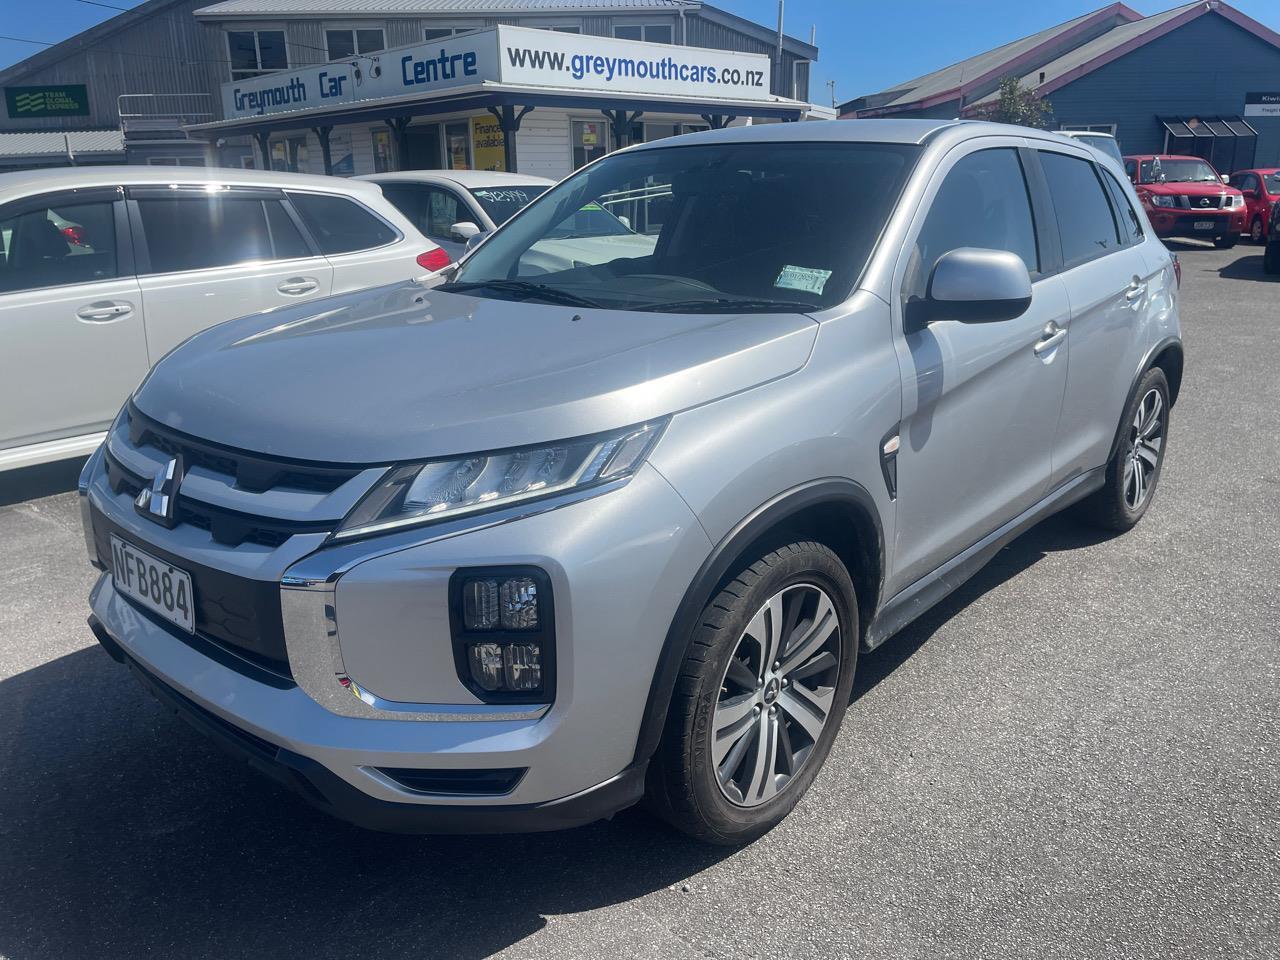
x,y
1208,127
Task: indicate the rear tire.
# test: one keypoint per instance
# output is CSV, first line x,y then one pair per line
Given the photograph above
x,y
1225,243
1134,469
760,696
1256,231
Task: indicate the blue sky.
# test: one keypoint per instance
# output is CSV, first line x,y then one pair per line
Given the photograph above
x,y
863,46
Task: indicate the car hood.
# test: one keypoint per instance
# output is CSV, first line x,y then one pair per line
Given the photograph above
x,y
1190,189
405,372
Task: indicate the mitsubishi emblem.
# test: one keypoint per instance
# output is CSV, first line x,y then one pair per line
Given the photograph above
x,y
156,502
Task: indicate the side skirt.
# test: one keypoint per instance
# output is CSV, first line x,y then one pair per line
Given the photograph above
x,y
910,603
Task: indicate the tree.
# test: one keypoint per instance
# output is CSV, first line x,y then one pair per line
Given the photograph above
x,y
1017,105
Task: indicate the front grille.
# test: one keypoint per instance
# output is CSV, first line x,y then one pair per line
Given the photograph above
x,y
1198,203
237,613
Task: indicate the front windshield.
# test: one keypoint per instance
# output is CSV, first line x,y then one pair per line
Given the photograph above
x,y
727,227
1106,144
503,203
1272,182
1178,171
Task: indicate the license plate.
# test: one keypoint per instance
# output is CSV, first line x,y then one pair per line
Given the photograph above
x,y
156,585
1204,225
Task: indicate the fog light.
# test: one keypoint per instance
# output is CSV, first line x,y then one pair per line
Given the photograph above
x,y
519,604
486,665
480,604
523,667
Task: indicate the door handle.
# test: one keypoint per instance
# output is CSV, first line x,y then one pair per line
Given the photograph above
x,y
296,286
1050,338
1136,289
104,310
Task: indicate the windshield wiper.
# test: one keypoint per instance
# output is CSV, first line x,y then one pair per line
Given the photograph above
x,y
528,287
729,305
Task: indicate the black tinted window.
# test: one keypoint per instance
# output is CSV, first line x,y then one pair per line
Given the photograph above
x,y
196,233
340,225
57,245
433,210
982,203
1130,224
1085,223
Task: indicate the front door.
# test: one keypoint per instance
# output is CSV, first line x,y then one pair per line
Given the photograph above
x,y
980,401
72,340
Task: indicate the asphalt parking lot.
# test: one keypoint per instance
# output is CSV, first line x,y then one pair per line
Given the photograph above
x,y
1077,755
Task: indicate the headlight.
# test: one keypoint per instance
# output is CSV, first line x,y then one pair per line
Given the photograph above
x,y
418,493
1233,202
1161,200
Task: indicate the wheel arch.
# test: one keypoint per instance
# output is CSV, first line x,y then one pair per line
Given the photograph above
x,y
836,511
1168,356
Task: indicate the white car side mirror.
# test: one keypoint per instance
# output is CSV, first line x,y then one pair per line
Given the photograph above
x,y
463,231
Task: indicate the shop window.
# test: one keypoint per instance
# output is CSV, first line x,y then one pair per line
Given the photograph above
x,y
443,33
342,44
175,162
290,155
1090,127
457,137
590,140
255,52
382,162
648,32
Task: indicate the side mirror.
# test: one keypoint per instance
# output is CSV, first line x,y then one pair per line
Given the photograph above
x,y
625,221
476,238
1226,178
974,285
463,231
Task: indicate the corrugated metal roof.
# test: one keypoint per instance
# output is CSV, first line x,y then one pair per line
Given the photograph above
x,y
1097,47
47,143
950,78
255,8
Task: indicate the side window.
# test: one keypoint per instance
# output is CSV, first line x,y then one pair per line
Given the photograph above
x,y
442,213
982,203
57,245
1130,222
1248,182
410,199
197,233
1085,223
341,225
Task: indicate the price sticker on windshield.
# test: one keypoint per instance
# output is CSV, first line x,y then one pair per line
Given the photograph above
x,y
808,279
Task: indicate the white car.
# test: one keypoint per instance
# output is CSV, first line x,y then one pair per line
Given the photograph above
x,y
452,206
104,270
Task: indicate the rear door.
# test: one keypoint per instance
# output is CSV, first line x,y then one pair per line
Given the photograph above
x,y
208,257
364,248
980,400
72,340
1108,283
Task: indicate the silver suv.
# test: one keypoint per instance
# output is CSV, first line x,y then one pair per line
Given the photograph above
x,y
514,550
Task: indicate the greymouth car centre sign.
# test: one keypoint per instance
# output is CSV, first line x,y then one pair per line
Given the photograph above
x,y
508,55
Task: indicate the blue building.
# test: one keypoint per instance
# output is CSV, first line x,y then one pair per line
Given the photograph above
x,y
1200,79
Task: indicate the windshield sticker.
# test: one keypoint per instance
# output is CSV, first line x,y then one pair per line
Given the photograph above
x,y
808,279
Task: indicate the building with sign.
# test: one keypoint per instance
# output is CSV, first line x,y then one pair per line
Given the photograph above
x,y
360,86
1200,79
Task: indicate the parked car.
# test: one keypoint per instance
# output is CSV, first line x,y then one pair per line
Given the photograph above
x,y
452,206
104,270
514,551
1186,197
1261,191
1104,142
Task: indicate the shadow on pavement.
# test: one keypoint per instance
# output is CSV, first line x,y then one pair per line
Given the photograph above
x,y
123,833
43,480
1248,268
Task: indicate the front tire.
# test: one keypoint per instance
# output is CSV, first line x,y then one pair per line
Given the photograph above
x,y
760,696
1256,232
1134,469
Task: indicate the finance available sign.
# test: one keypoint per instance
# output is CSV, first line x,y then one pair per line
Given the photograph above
x,y
509,55
61,100
1262,104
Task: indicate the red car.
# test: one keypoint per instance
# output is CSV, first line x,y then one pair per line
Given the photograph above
x,y
1185,197
1261,189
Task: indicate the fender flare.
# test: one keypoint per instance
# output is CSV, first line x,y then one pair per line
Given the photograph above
x,y
718,565
1148,361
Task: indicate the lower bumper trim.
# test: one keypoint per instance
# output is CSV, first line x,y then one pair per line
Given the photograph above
x,y
327,791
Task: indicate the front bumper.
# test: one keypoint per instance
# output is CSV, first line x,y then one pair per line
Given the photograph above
x,y
620,564
1171,222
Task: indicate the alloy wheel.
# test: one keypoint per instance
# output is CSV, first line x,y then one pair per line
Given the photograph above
x,y
1146,439
776,694
1255,230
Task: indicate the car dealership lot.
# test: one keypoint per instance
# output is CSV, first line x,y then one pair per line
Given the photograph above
x,y
1076,755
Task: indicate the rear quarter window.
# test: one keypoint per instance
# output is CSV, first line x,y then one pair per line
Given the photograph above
x,y
340,225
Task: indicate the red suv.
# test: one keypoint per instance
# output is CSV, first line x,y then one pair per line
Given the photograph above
x,y
1261,189
1185,197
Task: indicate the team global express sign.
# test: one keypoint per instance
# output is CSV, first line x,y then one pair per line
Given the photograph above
x,y
63,100
512,55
